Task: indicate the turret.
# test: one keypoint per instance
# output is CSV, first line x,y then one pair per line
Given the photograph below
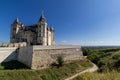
x,y
42,30
42,18
51,28
15,30
16,21
52,35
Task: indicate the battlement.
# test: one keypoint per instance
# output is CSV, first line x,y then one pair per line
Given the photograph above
x,y
38,47
20,44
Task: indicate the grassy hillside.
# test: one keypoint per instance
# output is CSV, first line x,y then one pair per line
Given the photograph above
x,y
52,73
108,61
113,75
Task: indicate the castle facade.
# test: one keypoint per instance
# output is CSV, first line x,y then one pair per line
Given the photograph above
x,y
36,34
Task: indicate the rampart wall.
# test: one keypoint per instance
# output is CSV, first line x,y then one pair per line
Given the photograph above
x,y
40,57
43,56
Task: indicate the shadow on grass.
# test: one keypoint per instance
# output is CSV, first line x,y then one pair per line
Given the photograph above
x,y
13,65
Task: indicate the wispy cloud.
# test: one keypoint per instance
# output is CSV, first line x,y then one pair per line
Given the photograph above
x,y
64,41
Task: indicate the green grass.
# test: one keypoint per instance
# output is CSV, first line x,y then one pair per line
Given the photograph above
x,y
108,61
113,75
52,73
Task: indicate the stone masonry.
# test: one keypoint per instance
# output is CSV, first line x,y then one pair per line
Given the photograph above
x,y
40,57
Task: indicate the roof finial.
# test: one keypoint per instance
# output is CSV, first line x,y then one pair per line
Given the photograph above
x,y
43,13
17,20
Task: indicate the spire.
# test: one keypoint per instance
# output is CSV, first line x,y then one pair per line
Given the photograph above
x,y
16,20
42,18
51,28
43,14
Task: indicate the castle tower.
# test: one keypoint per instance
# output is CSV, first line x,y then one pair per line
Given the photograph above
x,y
52,36
42,31
14,36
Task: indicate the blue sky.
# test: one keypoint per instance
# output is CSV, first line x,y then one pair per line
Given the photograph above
x,y
81,22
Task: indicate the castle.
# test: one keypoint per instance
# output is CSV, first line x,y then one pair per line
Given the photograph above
x,y
34,46
37,34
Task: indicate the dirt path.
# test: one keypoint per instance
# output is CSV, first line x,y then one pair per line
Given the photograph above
x,y
92,69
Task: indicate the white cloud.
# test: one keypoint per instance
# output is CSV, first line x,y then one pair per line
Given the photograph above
x,y
64,41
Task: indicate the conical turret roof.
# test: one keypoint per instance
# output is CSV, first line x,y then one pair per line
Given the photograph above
x,y
16,20
42,18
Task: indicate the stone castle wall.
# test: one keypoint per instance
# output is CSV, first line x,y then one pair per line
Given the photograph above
x,y
8,54
40,57
25,55
43,56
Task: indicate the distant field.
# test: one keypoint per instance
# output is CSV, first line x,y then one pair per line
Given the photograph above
x,y
100,47
21,72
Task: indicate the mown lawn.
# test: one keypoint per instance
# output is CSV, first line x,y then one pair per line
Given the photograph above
x,y
52,73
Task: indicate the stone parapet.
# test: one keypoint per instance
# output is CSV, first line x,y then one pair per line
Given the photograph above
x,y
20,44
37,47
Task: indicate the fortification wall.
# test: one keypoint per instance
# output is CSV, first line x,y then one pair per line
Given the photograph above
x,y
43,56
8,54
40,57
25,55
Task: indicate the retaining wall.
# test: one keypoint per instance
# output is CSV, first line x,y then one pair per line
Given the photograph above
x,y
40,57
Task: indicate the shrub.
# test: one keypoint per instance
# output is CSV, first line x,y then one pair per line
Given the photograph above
x,y
85,51
116,57
60,61
117,65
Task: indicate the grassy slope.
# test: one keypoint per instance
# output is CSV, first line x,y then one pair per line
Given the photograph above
x,y
114,75
47,74
108,61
